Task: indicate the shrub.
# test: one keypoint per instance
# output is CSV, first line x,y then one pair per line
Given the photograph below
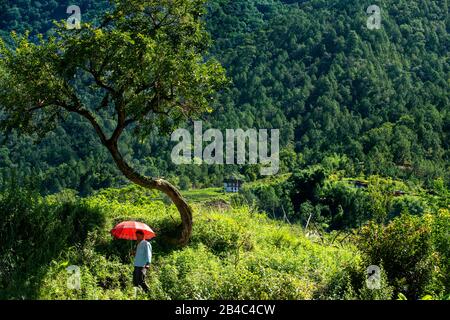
x,y
441,244
410,204
404,248
192,273
218,233
35,230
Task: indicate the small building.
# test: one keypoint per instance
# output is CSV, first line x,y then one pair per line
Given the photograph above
x,y
232,185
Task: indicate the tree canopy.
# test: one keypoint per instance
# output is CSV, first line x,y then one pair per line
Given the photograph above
x,y
143,63
310,68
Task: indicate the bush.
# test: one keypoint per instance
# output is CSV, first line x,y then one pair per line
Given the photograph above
x,y
192,273
218,233
35,230
410,204
441,244
101,278
244,283
404,248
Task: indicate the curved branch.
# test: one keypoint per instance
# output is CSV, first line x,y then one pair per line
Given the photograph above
x,y
99,81
89,116
120,125
159,184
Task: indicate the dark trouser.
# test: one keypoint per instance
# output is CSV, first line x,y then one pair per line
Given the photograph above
x,y
139,278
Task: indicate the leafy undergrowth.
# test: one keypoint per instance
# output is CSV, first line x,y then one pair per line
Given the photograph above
x,y
234,254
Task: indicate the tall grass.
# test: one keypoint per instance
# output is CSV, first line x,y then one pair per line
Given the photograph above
x,y
234,253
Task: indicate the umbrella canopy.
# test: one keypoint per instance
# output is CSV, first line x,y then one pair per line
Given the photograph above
x,y
127,230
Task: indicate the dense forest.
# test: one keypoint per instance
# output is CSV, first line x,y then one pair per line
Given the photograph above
x,y
379,98
364,119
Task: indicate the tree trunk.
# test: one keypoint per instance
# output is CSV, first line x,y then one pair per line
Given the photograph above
x,y
159,184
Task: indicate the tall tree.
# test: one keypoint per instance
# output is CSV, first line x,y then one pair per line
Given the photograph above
x,y
144,63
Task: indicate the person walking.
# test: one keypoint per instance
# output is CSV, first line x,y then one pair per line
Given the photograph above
x,y
142,260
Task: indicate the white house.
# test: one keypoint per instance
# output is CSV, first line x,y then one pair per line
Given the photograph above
x,y
232,185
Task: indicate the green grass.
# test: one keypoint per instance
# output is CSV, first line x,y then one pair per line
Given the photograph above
x,y
137,195
235,253
206,195
271,180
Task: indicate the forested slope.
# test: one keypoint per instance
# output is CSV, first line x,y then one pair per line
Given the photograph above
x,y
311,68
316,71
370,106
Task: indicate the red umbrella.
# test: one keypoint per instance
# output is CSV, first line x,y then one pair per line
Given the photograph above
x,y
127,230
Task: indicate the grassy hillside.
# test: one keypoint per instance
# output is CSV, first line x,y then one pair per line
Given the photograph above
x,y
364,180
234,253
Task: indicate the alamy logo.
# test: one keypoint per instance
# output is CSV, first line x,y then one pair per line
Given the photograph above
x,y
374,21
74,21
236,143
74,278
373,280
